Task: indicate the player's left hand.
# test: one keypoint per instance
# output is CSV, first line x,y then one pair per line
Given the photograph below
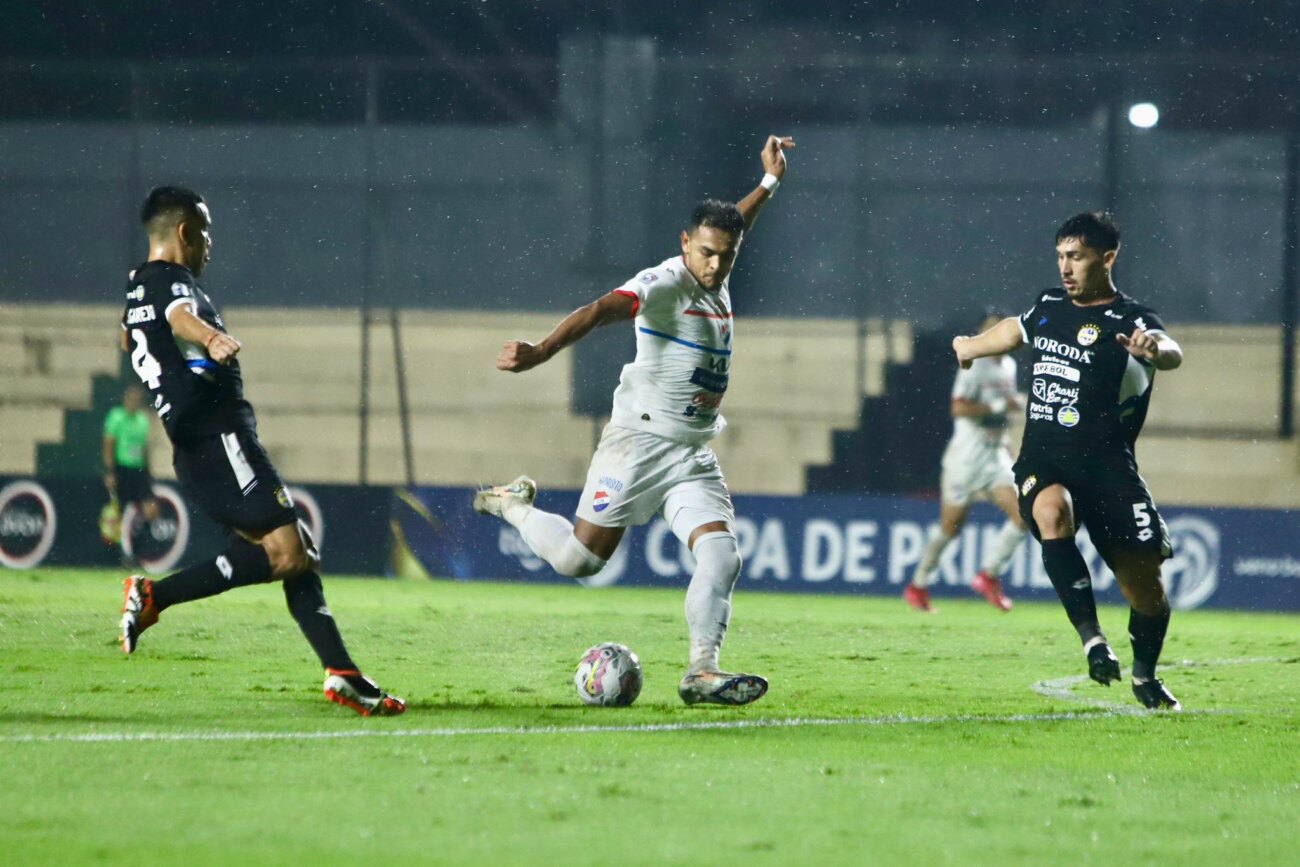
x,y
222,348
774,154
963,359
1140,345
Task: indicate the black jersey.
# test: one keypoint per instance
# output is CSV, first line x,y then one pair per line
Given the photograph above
x,y
194,396
1088,394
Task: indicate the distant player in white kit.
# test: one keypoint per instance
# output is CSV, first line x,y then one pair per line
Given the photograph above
x,y
977,463
654,457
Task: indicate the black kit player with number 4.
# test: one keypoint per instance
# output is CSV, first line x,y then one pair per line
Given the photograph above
x,y
1095,355
181,351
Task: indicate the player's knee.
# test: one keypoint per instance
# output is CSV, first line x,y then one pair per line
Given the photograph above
x,y
1052,514
718,556
576,561
288,561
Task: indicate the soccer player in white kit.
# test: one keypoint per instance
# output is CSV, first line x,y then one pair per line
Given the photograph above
x,y
976,463
654,456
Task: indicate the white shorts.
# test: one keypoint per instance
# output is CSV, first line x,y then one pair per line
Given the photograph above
x,y
965,480
635,475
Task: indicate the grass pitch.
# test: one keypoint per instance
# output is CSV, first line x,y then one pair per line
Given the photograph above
x,y
903,738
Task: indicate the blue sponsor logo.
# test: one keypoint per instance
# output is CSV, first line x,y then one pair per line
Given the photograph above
x,y
710,381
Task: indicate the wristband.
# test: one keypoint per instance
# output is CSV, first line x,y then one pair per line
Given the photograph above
x,y
770,182
207,344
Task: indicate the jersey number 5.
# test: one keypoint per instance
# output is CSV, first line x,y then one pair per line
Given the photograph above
x,y
142,361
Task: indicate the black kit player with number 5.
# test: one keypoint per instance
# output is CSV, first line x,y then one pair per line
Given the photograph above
x,y
1095,356
184,356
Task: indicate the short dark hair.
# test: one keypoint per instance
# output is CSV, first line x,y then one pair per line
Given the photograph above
x,y
165,202
717,215
1096,229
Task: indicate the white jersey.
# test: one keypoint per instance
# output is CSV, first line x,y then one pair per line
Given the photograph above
x,y
991,381
675,385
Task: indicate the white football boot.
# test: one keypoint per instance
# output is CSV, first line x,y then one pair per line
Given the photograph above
x,y
719,687
491,501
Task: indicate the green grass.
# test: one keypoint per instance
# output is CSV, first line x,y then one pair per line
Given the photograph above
x,y
1220,784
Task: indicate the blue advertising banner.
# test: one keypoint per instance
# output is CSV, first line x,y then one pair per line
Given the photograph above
x,y
1224,558
61,522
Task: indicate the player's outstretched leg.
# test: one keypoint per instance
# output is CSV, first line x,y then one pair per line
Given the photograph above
x,y
344,683
708,613
138,611
493,500
241,564
549,536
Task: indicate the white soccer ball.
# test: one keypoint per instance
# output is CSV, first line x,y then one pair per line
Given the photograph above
x,y
610,675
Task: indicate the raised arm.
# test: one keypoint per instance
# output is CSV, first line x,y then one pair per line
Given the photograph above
x,y
1001,338
520,355
773,157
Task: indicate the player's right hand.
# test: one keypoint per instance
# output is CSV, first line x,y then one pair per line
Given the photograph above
x,y
223,348
962,358
519,355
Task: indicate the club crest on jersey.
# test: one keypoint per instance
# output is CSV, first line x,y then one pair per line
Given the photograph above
x,y
649,277
600,502
283,497
1028,485
180,290
1067,416
1088,335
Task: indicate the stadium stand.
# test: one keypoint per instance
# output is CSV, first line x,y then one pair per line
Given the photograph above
x,y
804,385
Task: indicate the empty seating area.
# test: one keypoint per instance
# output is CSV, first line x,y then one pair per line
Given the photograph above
x,y
1210,437
48,355
472,424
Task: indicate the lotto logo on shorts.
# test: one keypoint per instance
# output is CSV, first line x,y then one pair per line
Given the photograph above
x,y
600,502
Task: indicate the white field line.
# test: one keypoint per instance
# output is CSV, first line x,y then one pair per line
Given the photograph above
x,y
643,728
1054,688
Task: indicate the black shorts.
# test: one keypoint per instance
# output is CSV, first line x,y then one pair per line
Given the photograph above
x,y
133,485
231,478
1109,496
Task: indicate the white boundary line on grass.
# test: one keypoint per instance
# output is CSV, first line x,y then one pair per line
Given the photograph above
x,y
642,728
1059,688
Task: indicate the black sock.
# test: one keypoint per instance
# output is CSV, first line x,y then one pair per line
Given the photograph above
x,y
306,600
1147,635
241,564
1069,575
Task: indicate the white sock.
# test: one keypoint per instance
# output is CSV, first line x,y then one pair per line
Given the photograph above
x,y
708,598
551,538
928,569
995,562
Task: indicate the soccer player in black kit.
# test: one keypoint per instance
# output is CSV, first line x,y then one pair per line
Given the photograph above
x,y
1095,354
180,350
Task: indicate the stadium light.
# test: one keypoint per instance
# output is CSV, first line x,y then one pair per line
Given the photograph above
x,y
1143,115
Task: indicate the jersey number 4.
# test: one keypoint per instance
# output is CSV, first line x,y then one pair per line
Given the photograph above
x,y
142,361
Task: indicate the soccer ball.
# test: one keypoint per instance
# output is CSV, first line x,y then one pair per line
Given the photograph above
x,y
610,675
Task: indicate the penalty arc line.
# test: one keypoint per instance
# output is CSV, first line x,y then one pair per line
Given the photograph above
x,y
643,728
